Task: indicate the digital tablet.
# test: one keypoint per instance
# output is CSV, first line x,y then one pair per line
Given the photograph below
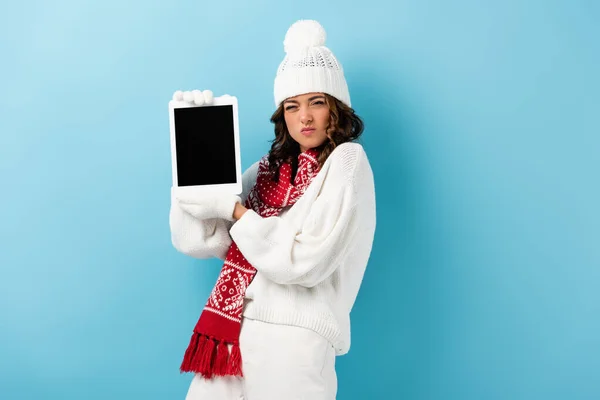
x,y
205,146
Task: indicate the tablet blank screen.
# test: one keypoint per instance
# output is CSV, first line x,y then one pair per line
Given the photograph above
x,y
205,143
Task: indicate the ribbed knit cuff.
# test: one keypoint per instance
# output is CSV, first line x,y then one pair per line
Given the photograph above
x,y
244,226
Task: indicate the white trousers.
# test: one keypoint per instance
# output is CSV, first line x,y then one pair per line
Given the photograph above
x,y
279,362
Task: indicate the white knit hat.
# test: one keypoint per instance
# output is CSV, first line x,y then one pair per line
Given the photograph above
x,y
308,65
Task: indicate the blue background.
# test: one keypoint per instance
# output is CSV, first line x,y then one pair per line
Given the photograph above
x,y
482,127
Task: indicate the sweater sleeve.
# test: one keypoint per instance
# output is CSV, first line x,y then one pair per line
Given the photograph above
x,y
204,238
304,256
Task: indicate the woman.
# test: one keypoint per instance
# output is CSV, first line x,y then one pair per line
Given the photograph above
x,y
295,244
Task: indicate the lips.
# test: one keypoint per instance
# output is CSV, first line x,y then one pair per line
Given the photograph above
x,y
307,131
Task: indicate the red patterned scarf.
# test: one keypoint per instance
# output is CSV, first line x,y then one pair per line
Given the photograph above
x,y
220,322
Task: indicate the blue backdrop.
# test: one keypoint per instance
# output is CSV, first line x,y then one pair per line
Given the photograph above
x,y
482,127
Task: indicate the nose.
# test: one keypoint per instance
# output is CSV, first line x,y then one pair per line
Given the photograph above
x,y
305,115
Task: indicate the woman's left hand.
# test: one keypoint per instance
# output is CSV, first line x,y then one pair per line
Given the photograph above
x,y
239,210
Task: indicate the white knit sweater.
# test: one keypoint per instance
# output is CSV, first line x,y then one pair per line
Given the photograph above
x,y
311,258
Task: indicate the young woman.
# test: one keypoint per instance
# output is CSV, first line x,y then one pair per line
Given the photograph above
x,y
295,244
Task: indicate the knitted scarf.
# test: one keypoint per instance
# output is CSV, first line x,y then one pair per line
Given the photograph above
x,y
214,347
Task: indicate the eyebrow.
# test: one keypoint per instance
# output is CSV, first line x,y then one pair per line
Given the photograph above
x,y
311,99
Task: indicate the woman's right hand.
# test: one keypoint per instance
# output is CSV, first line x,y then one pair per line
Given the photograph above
x,y
196,97
206,205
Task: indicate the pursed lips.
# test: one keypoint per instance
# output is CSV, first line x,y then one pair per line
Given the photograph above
x,y
307,131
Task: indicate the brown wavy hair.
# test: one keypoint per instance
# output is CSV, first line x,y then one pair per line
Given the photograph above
x,y
344,126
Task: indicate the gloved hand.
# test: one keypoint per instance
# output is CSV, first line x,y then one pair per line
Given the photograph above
x,y
196,97
206,205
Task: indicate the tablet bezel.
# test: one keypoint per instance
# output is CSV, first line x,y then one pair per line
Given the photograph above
x,y
232,188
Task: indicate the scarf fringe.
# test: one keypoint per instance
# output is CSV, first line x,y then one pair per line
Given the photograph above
x,y
207,357
221,361
234,367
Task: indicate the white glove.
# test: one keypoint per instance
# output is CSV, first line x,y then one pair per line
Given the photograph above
x,y
197,97
208,205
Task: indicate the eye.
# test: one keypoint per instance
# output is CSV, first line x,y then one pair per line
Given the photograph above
x,y
319,102
288,108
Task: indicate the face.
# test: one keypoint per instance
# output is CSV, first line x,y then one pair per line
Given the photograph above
x,y
307,119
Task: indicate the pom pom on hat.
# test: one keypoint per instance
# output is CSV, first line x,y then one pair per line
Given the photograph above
x,y
303,34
